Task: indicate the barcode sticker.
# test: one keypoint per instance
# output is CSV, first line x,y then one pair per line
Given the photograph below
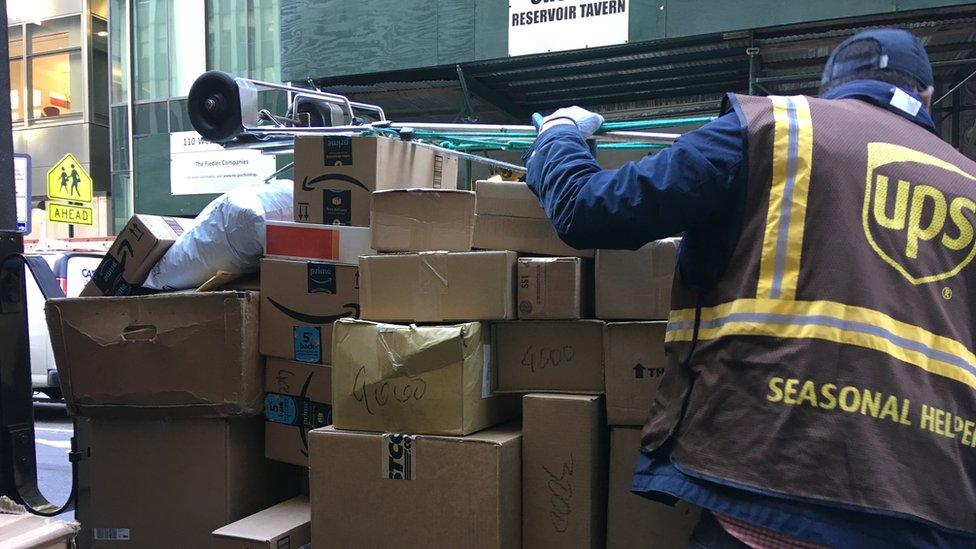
x,y
112,534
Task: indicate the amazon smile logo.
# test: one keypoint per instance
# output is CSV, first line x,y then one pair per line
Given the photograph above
x,y
353,312
310,185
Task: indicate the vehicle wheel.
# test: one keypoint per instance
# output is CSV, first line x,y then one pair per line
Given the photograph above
x,y
214,106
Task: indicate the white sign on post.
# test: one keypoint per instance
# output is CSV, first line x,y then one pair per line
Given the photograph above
x,y
22,188
197,166
540,26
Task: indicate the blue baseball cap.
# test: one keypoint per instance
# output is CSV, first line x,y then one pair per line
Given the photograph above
x,y
895,50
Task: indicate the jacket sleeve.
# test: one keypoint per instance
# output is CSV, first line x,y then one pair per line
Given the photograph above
x,y
682,186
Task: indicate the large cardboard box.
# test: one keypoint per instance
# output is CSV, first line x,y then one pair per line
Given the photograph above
x,y
428,491
565,444
175,355
636,285
634,521
438,286
299,302
331,243
170,483
548,355
334,175
414,379
298,397
140,244
554,288
422,220
635,366
509,217
283,526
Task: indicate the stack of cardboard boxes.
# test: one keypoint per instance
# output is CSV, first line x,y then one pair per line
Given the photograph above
x,y
404,326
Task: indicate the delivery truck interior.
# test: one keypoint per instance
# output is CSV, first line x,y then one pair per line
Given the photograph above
x,y
18,467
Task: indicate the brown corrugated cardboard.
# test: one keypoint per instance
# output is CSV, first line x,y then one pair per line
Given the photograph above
x,y
298,397
414,379
422,220
636,285
521,234
331,243
376,490
555,288
170,483
25,531
507,198
140,244
548,355
634,521
635,366
174,355
299,302
509,217
438,286
564,471
283,526
335,174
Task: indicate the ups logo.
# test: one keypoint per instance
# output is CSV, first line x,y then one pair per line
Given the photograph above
x,y
924,232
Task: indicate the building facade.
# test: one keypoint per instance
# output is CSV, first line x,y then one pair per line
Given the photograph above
x,y
59,97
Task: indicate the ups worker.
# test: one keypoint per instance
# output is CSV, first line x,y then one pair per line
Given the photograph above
x,y
825,269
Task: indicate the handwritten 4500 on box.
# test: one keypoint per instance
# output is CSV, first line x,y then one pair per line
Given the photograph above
x,y
414,379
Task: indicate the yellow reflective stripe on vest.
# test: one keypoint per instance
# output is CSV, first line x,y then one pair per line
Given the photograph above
x,y
830,321
779,266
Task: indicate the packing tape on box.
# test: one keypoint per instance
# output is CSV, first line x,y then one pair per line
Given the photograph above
x,y
411,351
432,283
418,237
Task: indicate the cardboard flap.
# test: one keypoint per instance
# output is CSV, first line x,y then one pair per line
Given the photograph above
x,y
405,350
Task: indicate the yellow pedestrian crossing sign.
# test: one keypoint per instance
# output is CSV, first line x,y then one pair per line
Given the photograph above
x,y
68,180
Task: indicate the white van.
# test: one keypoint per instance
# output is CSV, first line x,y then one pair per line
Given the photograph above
x,y
73,270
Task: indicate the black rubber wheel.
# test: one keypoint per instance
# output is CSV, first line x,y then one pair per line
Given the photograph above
x,y
319,114
214,107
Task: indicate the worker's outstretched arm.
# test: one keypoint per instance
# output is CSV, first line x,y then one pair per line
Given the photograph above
x,y
692,182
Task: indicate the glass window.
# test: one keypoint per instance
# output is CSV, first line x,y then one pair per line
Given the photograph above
x,y
17,90
227,36
99,70
57,84
264,44
119,129
56,34
119,35
151,50
15,40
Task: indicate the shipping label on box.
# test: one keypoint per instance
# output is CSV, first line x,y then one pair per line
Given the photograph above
x,y
554,288
552,356
438,286
286,525
299,302
564,471
334,175
140,244
420,379
635,366
634,521
431,491
422,220
331,243
636,285
298,397
165,355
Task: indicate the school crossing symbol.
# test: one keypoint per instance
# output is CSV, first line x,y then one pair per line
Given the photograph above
x,y
68,180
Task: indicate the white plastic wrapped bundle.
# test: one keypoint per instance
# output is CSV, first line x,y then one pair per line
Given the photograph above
x,y
229,236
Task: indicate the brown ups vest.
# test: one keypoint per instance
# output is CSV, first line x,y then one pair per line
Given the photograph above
x,y
834,359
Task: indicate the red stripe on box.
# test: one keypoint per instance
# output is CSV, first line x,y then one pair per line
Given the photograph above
x,y
307,242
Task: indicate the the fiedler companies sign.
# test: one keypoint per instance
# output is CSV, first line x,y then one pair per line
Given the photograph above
x,y
198,166
539,26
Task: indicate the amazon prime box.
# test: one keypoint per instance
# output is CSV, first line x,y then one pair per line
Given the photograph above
x,y
299,302
297,397
334,175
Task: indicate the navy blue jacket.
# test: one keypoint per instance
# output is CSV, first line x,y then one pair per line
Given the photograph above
x,y
697,187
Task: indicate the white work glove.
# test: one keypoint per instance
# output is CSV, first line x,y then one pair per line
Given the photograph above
x,y
587,122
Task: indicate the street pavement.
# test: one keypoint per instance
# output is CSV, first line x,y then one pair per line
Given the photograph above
x,y
52,437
